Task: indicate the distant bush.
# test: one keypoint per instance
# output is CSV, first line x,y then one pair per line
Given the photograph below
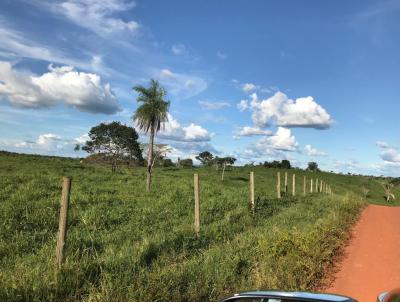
x,y
167,163
185,163
284,164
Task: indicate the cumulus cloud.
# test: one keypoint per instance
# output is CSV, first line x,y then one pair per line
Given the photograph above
x,y
389,154
98,16
180,85
48,140
178,49
46,143
213,105
275,146
83,91
279,109
310,151
248,87
282,140
243,105
382,144
252,131
174,131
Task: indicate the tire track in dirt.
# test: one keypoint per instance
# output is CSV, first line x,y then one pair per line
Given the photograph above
x,y
371,262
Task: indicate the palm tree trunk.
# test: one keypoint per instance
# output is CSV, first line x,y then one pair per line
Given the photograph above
x,y
150,159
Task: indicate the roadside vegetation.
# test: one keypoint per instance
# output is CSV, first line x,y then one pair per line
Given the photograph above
x,y
127,244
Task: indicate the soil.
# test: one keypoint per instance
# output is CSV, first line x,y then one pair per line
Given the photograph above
x,y
371,261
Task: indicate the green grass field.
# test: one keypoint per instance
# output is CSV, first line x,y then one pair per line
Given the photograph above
x,y
124,244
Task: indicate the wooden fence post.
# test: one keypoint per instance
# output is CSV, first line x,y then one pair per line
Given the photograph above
x,y
252,203
320,187
304,185
196,203
286,184
316,185
63,221
294,185
278,185
311,185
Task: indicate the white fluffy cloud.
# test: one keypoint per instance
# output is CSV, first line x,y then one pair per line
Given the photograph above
x,y
243,105
389,154
48,140
248,87
97,15
252,131
302,112
181,86
271,147
84,91
46,143
310,151
213,105
282,140
173,130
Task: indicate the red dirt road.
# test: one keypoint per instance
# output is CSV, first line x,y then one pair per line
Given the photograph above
x,y
371,262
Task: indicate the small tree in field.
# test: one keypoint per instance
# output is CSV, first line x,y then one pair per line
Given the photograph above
x,y
313,166
160,152
388,187
113,142
206,158
285,164
186,163
223,162
150,116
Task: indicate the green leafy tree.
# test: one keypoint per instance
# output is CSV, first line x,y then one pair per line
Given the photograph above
x,y
313,166
206,158
160,152
113,142
223,162
150,116
285,164
167,162
186,163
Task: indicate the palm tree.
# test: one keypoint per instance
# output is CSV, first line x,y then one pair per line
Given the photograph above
x,y
151,115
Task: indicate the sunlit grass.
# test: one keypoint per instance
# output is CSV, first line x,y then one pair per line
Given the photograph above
x,y
126,244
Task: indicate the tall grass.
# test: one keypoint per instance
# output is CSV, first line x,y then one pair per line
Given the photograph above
x,y
124,244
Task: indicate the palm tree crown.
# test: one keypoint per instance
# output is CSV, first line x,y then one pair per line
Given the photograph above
x,y
154,109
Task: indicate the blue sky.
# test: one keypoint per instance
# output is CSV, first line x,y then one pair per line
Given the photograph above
x,y
257,80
